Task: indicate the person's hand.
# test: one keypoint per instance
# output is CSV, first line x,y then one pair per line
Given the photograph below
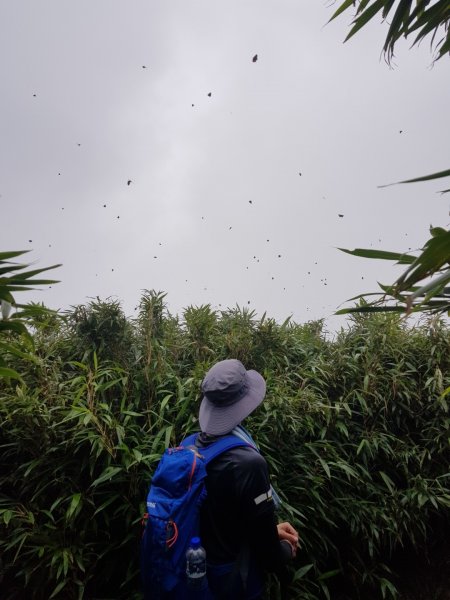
x,y
288,533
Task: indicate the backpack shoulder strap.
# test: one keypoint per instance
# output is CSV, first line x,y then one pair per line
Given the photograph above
x,y
190,440
216,448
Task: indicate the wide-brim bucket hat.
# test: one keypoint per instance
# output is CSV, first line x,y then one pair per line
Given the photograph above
x,y
230,394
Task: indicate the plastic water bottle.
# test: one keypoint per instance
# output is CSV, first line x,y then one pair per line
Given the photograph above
x,y
196,566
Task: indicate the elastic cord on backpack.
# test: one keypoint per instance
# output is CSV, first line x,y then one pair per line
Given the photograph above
x,y
144,523
171,541
194,462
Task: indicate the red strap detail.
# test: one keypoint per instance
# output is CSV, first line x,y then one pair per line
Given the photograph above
x,y
194,462
171,541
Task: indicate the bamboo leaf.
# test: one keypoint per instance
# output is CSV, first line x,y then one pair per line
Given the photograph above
x,y
27,274
388,481
12,325
438,175
385,584
325,467
344,6
435,285
380,254
299,573
107,475
435,254
74,505
329,574
58,588
365,17
15,282
10,267
17,352
7,515
396,30
7,373
7,255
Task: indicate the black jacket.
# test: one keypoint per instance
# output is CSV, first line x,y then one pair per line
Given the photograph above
x,y
239,510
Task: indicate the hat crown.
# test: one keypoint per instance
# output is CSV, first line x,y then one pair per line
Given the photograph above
x,y
225,382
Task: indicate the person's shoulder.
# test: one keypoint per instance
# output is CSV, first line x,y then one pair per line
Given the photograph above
x,y
248,457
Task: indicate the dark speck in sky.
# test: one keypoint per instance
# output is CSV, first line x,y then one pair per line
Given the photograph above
x,y
129,182
209,94
340,216
255,58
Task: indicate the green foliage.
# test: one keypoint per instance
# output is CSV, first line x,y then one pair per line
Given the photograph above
x,y
15,339
201,328
100,327
355,430
405,18
430,269
438,175
19,280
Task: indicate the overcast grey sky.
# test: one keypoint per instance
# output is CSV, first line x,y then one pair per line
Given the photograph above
x,y
239,169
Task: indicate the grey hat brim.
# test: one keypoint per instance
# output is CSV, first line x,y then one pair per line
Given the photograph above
x,y
219,420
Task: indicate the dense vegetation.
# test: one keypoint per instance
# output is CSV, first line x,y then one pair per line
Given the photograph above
x,y
356,431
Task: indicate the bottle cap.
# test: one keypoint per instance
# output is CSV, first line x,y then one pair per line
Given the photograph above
x,y
195,542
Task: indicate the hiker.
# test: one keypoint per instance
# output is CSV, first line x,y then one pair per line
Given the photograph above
x,y
238,526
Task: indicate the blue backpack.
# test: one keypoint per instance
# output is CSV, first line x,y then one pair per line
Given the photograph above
x,y
174,499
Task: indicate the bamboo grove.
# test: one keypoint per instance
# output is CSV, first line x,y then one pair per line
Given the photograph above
x,y
355,429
